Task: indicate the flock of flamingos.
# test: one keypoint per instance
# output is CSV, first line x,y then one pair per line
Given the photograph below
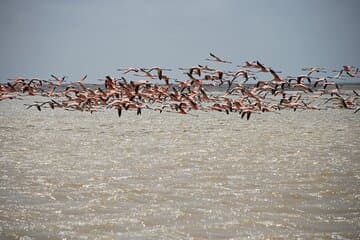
x,y
154,90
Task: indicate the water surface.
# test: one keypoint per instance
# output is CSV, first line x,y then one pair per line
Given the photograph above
x,y
76,175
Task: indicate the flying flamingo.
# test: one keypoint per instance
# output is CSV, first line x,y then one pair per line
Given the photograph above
x,y
216,59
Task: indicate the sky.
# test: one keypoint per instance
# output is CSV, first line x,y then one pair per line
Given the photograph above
x,y
73,38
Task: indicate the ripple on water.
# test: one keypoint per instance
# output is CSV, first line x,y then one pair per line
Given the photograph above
x,y
76,175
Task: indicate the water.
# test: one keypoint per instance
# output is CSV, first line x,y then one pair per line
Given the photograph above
x,y
75,175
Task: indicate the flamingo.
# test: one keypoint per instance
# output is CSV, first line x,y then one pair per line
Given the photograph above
x,y
81,80
311,70
216,59
6,96
127,70
58,80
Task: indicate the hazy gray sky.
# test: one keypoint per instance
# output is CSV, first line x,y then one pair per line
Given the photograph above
x,y
73,38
